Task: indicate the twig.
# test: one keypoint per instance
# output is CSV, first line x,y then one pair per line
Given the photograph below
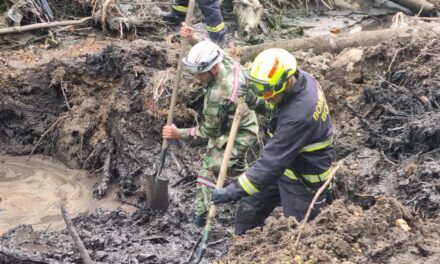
x,y
79,245
394,58
43,25
312,204
104,13
64,94
385,158
181,180
45,133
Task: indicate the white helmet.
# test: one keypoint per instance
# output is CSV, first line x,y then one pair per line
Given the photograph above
x,y
202,57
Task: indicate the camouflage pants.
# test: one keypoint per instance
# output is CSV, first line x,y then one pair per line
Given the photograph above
x,y
207,177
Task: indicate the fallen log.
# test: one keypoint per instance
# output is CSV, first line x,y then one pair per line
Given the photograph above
x,y
76,239
43,25
422,7
16,256
330,42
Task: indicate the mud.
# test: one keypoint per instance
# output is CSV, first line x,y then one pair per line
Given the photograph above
x,y
344,233
117,105
399,114
32,191
108,100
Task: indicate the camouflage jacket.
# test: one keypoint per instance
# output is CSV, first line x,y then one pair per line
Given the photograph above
x,y
219,108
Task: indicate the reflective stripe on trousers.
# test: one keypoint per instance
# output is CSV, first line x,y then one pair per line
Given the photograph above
x,y
312,178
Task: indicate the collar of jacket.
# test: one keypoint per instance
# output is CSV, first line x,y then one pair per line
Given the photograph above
x,y
300,84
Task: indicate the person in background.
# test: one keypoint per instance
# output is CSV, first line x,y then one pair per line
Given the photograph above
x,y
211,12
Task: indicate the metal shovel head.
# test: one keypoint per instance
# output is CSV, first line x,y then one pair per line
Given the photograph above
x,y
160,195
156,190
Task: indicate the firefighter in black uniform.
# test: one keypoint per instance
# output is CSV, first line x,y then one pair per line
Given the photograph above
x,y
297,158
210,10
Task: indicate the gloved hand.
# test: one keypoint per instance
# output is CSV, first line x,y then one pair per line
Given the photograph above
x,y
251,98
222,195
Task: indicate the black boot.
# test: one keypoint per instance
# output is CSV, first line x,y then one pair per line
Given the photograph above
x,y
200,220
173,17
217,37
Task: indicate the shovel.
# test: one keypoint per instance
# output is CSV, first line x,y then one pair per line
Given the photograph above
x,y
157,188
202,243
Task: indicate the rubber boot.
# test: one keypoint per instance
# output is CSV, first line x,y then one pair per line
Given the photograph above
x,y
217,37
200,220
173,17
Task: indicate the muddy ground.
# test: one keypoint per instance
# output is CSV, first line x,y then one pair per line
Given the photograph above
x,y
100,103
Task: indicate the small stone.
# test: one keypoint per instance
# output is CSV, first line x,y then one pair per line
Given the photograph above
x,y
402,224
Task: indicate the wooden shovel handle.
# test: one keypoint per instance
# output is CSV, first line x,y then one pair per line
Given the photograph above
x,y
178,76
239,112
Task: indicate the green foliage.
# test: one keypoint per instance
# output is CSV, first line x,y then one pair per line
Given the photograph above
x,y
274,20
2,7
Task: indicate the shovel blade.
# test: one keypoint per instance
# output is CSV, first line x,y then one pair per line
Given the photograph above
x,y
156,190
149,187
160,199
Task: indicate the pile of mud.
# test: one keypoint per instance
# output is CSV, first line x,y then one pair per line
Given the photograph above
x,y
344,233
399,113
109,106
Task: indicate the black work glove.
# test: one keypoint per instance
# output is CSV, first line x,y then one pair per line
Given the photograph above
x,y
222,195
250,97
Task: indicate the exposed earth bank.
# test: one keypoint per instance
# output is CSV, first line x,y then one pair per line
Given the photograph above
x,y
99,105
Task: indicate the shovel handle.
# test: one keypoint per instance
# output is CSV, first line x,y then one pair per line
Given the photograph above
x,y
241,109
178,76
201,247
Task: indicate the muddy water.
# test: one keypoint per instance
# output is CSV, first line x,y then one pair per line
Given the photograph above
x,y
31,193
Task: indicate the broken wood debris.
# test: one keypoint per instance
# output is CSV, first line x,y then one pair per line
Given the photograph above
x,y
76,239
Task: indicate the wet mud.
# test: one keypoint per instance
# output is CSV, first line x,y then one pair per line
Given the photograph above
x,y
117,103
344,233
98,105
31,193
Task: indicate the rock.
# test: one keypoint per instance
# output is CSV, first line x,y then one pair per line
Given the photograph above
x,y
248,14
347,67
402,224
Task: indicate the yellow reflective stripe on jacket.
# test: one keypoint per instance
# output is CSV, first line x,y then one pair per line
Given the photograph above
x,y
247,185
317,146
180,8
312,178
216,28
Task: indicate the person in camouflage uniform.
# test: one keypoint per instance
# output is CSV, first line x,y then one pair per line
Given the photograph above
x,y
223,78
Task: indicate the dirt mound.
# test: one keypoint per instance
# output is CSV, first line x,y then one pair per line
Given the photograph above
x,y
115,97
344,233
397,113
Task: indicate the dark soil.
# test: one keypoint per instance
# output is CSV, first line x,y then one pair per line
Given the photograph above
x,y
108,101
344,233
113,114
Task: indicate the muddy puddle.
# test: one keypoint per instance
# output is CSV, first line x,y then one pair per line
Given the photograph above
x,y
31,192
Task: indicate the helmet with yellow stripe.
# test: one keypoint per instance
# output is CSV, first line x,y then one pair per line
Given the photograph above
x,y
270,72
